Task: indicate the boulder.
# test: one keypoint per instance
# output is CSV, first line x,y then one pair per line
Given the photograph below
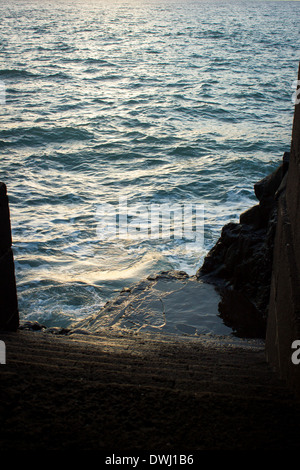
x,y
240,263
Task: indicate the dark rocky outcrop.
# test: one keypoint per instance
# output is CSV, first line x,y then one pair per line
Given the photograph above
x,y
240,264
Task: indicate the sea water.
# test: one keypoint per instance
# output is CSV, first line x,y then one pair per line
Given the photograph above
x,y
153,102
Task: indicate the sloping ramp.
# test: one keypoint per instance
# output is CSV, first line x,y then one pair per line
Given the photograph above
x,y
126,391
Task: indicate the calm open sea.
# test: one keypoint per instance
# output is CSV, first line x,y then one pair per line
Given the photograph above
x,y
152,102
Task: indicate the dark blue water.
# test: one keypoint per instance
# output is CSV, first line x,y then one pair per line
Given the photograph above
x,y
155,102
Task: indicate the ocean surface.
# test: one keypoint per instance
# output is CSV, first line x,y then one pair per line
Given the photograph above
x,y
134,104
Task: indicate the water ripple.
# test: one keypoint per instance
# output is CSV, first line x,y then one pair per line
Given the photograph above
x,y
160,102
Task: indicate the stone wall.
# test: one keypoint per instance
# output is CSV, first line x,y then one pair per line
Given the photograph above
x,y
283,325
9,314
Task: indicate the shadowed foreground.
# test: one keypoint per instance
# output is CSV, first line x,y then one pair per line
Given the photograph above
x,y
124,391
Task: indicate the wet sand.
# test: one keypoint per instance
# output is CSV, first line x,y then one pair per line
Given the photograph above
x,y
118,391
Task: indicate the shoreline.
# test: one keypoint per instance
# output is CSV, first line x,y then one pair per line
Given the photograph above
x,y
228,294
210,301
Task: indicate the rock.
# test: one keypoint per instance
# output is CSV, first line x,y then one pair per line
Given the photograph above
x,y
125,290
32,325
268,185
56,330
172,274
251,216
240,263
238,313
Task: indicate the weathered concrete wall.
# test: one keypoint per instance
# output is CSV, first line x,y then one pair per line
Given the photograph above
x,y
283,327
9,314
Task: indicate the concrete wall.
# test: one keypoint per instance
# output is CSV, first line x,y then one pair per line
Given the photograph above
x,y
9,314
283,327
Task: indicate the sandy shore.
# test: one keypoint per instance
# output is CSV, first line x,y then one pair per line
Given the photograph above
x,y
122,391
